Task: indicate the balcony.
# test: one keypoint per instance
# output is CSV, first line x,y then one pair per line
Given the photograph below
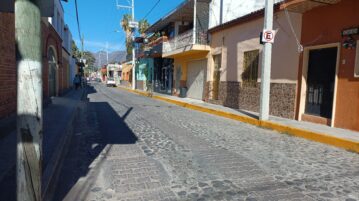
x,y
302,6
183,44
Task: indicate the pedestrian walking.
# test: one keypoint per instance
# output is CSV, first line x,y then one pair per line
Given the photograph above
x,y
77,81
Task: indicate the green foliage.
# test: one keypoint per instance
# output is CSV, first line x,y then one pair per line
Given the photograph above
x,y
126,28
75,50
143,25
90,59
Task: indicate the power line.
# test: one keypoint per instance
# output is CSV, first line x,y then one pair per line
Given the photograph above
x,y
77,18
150,11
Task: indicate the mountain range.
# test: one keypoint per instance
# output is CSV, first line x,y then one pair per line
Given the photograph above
x,y
113,57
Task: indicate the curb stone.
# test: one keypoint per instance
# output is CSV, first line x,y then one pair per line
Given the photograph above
x,y
51,173
346,144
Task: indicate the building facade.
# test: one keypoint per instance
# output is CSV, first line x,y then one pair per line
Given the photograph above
x,y
328,73
183,46
54,77
235,61
126,79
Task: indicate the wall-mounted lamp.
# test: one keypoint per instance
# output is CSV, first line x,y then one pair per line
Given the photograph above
x,y
349,43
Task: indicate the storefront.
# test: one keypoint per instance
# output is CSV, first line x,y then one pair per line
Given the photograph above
x,y
163,75
126,78
144,73
328,89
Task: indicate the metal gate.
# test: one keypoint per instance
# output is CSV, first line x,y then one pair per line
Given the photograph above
x,y
195,78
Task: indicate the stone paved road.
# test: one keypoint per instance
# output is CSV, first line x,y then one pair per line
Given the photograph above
x,y
128,147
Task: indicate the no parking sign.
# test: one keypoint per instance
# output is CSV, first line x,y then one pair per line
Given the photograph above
x,y
268,36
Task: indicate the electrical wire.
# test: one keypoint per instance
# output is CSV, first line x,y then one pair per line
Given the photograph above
x,y
300,46
150,11
77,19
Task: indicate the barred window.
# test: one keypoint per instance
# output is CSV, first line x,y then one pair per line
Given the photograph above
x,y
250,66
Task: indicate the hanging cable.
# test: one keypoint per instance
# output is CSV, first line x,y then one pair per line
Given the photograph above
x,y
77,18
300,46
150,11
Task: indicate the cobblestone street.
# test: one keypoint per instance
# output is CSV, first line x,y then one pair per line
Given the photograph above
x,y
129,147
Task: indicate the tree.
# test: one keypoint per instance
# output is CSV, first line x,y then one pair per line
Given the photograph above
x,y
90,59
75,50
125,23
143,25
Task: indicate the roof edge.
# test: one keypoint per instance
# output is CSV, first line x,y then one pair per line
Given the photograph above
x,y
243,19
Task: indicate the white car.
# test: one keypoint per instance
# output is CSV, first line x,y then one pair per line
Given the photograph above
x,y
110,82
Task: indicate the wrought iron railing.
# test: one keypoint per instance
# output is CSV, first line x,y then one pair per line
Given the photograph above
x,y
184,40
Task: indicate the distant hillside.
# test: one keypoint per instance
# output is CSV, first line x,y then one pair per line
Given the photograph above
x,y
113,57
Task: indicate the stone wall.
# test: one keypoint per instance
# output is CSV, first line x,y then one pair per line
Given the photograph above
x,y
140,85
125,83
246,97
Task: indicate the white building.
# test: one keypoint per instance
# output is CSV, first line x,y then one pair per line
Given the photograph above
x,y
69,63
222,11
114,71
57,20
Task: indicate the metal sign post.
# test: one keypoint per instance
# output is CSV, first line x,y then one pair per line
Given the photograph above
x,y
267,61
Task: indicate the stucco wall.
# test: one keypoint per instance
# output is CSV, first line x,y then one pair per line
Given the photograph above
x,y
183,61
320,27
234,41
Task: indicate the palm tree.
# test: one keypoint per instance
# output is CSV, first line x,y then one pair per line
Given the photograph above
x,y
143,25
126,28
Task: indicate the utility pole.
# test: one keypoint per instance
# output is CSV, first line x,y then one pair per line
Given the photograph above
x,y
133,49
82,56
133,44
99,58
194,23
107,52
266,64
82,46
29,99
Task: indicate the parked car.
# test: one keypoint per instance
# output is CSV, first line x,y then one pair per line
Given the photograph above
x,y
110,82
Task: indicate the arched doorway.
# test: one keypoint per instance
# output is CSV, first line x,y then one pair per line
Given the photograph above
x,y
52,72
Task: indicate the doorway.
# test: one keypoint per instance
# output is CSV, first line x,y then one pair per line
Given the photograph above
x,y
320,83
52,76
195,78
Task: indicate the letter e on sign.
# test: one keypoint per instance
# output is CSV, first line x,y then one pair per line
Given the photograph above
x,y
268,36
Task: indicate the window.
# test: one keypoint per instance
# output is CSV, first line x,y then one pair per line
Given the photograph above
x,y
58,22
356,68
250,66
217,61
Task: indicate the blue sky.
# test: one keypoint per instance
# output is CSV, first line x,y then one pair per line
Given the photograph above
x,y
100,18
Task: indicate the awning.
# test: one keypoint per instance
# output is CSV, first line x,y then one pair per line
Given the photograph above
x,y
126,68
302,6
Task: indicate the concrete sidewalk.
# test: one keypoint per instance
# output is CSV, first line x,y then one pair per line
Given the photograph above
x,y
58,121
342,138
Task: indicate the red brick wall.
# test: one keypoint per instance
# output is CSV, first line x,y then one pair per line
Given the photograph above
x,y
8,62
50,38
7,65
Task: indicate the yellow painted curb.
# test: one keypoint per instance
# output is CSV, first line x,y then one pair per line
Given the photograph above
x,y
310,135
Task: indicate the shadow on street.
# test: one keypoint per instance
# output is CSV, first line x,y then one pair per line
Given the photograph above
x,y
98,126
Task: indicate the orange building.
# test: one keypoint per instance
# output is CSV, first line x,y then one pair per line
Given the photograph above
x,y
126,74
328,76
